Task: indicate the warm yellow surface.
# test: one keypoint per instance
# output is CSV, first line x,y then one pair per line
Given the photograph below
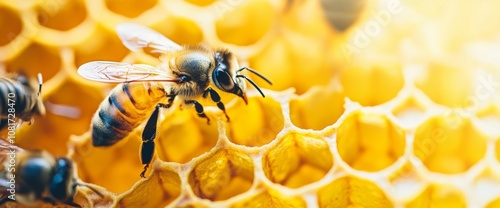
x,y
382,104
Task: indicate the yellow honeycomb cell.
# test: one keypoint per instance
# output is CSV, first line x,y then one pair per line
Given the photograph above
x,y
222,176
363,137
12,24
42,58
373,80
450,140
326,105
159,190
297,160
257,123
372,103
63,15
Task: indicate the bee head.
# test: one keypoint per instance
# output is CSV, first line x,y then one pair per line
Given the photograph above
x,y
226,75
36,170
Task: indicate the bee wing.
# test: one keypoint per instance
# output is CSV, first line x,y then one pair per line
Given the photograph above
x,y
6,149
136,37
116,72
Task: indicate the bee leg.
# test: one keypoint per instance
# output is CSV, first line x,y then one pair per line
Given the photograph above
x,y
49,201
148,136
5,200
71,203
216,98
199,109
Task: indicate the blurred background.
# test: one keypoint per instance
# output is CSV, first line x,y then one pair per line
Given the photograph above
x,y
403,90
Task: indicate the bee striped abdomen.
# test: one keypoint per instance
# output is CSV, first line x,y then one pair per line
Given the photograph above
x,y
21,98
126,107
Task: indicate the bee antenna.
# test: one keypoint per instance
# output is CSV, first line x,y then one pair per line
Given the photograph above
x,y
40,82
256,73
251,82
91,188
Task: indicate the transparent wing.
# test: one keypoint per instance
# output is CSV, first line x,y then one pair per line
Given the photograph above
x,y
116,72
136,37
5,148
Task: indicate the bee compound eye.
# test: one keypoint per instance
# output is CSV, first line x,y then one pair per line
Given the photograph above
x,y
61,179
223,80
184,78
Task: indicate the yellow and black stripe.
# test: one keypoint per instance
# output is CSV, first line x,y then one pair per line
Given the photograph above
x,y
126,107
22,97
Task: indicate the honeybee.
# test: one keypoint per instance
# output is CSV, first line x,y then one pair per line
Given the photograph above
x,y
185,73
29,177
20,99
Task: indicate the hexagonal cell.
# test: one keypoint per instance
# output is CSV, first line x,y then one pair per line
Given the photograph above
x,y
297,160
103,44
317,108
439,195
370,141
182,135
255,124
161,188
11,25
236,17
372,80
70,106
448,81
181,30
351,191
222,175
270,199
94,163
61,15
130,8
36,59
201,2
410,113
293,60
449,144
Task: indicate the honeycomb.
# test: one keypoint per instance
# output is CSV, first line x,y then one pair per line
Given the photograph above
x,y
374,103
